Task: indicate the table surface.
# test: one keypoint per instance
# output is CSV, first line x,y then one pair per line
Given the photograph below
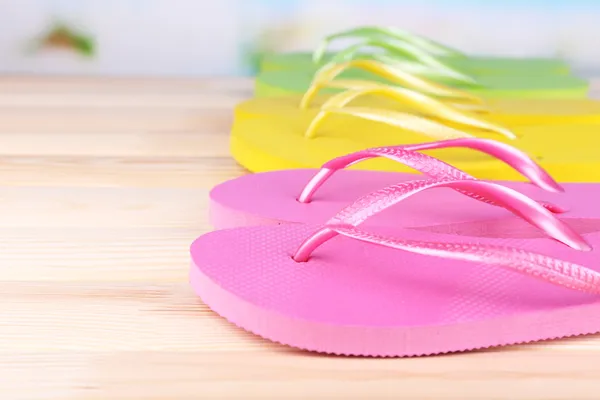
x,y
103,186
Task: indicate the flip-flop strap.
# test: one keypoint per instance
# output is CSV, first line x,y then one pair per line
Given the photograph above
x,y
452,77
366,32
417,96
418,100
553,270
410,122
516,202
395,53
330,71
437,169
336,104
540,266
396,43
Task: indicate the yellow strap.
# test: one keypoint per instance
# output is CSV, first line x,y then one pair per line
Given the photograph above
x,y
422,104
396,93
357,84
402,120
326,74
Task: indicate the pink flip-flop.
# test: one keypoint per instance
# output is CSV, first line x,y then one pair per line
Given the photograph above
x,y
387,290
312,196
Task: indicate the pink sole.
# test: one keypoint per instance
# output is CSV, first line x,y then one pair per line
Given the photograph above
x,y
223,217
394,342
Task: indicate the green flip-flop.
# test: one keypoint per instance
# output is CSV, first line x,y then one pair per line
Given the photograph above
x,y
294,82
417,54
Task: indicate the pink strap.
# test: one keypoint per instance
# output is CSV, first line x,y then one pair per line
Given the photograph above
x,y
512,200
559,272
553,270
433,167
512,156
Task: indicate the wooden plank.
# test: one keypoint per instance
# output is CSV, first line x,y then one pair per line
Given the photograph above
x,y
105,84
102,119
113,317
125,100
101,208
185,144
168,172
142,254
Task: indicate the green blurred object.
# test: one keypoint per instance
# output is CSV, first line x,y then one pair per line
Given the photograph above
x,y
252,58
62,36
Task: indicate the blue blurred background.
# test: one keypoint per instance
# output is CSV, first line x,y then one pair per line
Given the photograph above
x,y
225,37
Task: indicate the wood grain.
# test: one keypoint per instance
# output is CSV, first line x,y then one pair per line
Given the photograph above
x,y
103,185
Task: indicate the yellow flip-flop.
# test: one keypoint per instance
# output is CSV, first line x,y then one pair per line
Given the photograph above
x,y
281,133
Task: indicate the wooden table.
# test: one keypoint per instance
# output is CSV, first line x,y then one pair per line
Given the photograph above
x,y
103,185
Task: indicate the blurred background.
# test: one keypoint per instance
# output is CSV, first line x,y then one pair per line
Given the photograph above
x,y
227,37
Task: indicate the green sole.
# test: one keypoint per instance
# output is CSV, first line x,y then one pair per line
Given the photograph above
x,y
474,66
277,83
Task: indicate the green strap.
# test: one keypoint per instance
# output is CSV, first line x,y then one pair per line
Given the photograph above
x,y
391,56
373,32
450,75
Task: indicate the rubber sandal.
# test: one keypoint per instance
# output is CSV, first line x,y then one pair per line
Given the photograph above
x,y
294,82
413,52
391,291
313,195
273,134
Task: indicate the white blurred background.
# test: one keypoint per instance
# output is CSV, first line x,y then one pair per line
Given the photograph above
x,y
223,37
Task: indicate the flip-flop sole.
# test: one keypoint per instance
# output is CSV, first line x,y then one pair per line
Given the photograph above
x,y
281,83
390,342
476,65
361,299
